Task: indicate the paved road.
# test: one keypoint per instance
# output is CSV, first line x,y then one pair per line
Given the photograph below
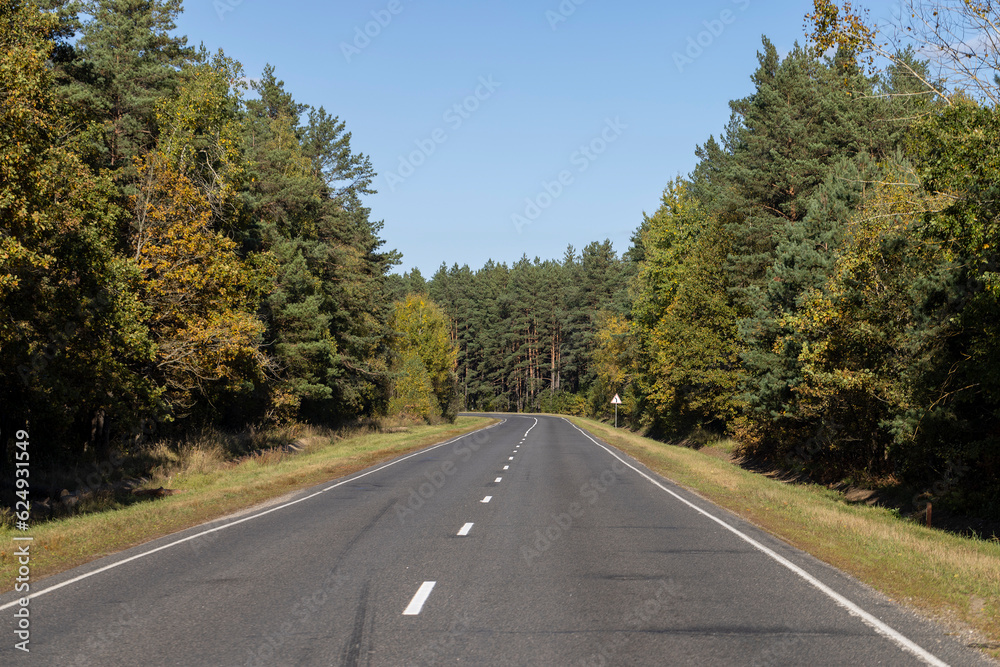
x,y
525,544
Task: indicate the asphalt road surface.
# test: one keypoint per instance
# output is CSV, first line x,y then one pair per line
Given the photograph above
x,y
528,543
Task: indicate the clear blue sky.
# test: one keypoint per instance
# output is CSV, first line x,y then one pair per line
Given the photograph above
x,y
534,82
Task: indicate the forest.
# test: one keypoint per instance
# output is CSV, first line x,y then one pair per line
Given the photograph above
x,y
183,246
823,287
525,334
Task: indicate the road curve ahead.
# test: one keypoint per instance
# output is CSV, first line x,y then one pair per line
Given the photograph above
x,y
528,543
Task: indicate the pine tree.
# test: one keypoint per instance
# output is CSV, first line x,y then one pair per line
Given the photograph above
x,y
804,259
328,312
283,199
789,192
353,268
124,62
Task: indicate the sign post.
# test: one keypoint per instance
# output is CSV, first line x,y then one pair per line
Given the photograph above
x,y
616,401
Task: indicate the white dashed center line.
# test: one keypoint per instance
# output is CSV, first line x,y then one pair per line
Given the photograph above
x,y
417,603
497,480
506,467
465,530
486,499
510,458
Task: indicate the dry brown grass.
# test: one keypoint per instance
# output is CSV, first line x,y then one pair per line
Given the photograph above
x,y
951,578
208,485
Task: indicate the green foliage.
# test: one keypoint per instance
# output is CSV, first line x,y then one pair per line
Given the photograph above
x,y
673,355
825,284
70,330
328,313
200,296
412,392
526,333
958,388
562,403
667,238
854,333
123,62
426,381
692,351
170,249
200,126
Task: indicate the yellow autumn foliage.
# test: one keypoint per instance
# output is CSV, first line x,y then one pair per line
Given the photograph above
x,y
200,295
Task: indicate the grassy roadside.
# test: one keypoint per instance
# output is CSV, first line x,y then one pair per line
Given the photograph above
x,y
204,495
952,579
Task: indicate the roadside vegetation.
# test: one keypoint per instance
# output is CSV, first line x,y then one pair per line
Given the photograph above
x,y
192,290
184,250
952,579
823,287
197,481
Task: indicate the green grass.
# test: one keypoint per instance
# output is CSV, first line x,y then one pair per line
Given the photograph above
x,y
207,486
953,579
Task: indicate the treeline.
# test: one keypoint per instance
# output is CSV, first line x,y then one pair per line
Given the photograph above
x,y
824,285
525,332
178,247
181,247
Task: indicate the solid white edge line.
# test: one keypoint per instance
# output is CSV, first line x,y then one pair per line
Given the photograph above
x,y
486,499
877,625
464,530
111,566
419,598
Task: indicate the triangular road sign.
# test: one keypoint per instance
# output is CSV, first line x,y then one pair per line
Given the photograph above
x,y
616,400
